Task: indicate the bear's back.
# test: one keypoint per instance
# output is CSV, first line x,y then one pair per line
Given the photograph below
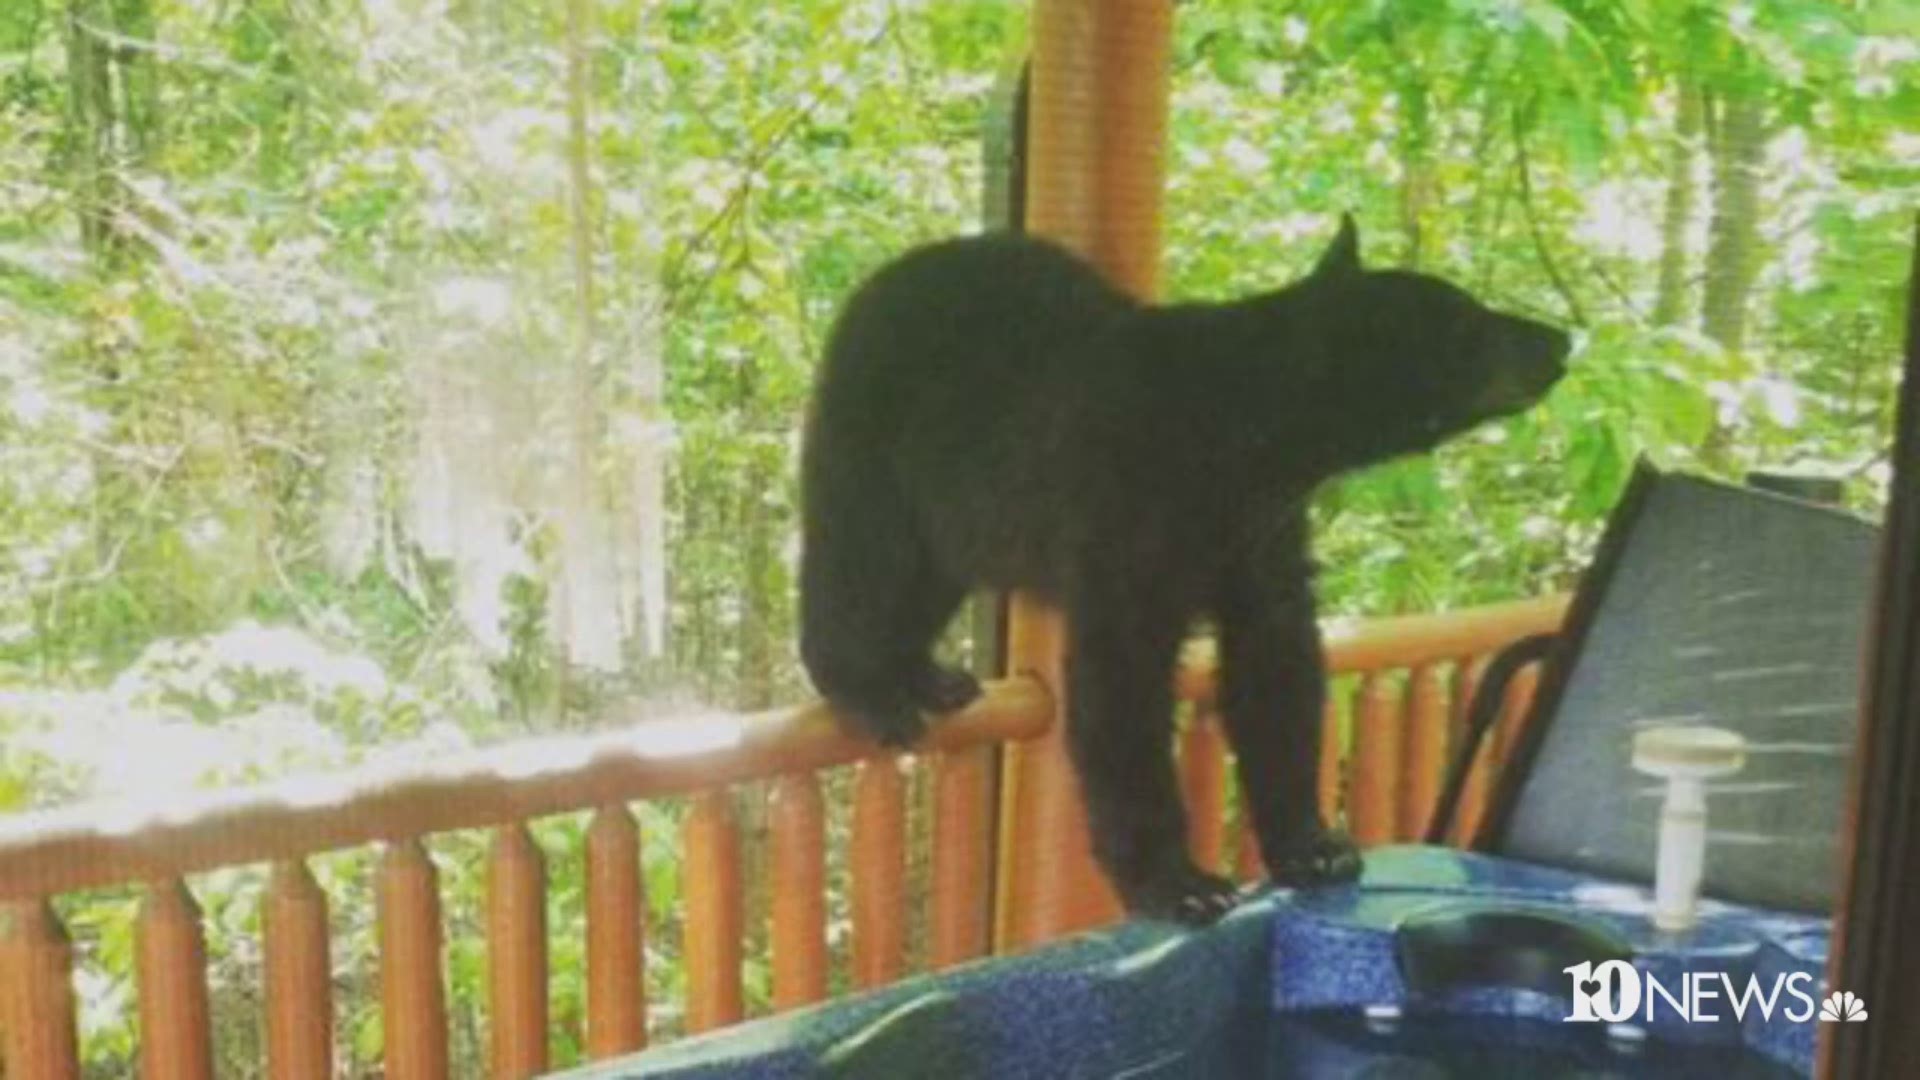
x,y
961,373
982,314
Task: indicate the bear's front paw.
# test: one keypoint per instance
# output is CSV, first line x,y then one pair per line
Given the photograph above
x,y
1326,857
895,722
943,689
1181,893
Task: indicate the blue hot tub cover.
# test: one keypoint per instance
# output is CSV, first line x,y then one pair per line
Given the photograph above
x,y
1153,1001
1139,1000
1339,948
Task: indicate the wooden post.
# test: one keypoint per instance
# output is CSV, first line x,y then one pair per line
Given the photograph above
x,y
1425,761
37,1035
1096,135
1329,791
1203,782
299,975
1374,783
1466,679
710,886
1248,864
517,953
176,1034
799,892
413,999
616,935
878,861
1472,808
961,905
1097,132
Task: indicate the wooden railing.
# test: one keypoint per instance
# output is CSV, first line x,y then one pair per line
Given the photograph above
x,y
1400,687
1395,709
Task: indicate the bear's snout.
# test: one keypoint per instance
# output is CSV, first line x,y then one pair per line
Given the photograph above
x,y
1537,353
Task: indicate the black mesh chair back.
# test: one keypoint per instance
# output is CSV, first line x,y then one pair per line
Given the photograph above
x,y
1715,605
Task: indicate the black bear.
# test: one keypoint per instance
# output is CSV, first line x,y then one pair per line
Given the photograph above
x,y
991,412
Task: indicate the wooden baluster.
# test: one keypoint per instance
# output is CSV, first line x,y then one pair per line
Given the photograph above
x,y
517,953
1466,679
1328,771
959,922
176,1037
710,878
1513,710
1506,732
1375,762
799,889
1426,751
1473,799
1203,778
1473,793
879,873
413,1002
1491,761
37,1034
616,936
1248,864
299,975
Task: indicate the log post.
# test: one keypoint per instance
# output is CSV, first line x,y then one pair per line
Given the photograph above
x,y
1096,136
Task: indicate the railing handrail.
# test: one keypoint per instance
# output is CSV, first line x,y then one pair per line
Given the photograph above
x,y
1400,641
1381,753
105,843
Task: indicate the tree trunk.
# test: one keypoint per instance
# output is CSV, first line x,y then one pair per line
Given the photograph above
x,y
590,631
138,81
642,512
113,116
100,127
1670,301
1549,266
1733,237
755,644
1417,179
1486,213
91,125
644,589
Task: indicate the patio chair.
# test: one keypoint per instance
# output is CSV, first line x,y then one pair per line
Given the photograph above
x,y
1706,604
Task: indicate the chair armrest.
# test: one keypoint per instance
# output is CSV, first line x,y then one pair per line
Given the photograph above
x,y
1482,711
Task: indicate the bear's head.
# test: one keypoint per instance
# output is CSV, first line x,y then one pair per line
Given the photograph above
x,y
1420,360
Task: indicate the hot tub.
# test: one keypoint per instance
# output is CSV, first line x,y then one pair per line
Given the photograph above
x,y
1436,964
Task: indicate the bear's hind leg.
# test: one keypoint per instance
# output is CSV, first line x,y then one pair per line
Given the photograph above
x,y
1273,693
1119,729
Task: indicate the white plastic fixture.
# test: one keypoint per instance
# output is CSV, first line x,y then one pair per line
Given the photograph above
x,y
1686,758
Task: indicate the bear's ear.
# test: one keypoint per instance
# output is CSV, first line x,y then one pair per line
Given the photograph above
x,y
1342,257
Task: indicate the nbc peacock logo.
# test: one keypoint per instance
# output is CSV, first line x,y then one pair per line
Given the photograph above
x,y
1843,1006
